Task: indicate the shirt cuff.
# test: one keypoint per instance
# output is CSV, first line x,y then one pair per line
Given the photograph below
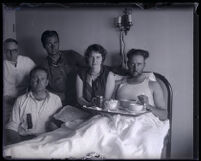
x,y
12,126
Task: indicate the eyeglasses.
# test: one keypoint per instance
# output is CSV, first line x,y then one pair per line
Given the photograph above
x,y
12,50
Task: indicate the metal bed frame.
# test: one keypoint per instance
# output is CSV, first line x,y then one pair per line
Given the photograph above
x,y
168,94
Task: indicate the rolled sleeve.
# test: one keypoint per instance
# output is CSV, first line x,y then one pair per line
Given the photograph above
x,y
14,120
58,105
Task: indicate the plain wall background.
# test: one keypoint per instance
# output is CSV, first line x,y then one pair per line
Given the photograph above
x,y
166,33
9,23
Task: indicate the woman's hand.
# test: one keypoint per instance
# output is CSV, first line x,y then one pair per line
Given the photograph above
x,y
81,101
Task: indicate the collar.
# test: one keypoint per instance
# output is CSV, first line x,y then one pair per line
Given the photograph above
x,y
12,63
101,71
30,94
59,62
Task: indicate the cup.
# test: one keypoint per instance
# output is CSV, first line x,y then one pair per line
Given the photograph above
x,y
98,101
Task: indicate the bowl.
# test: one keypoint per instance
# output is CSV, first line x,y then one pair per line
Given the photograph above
x,y
136,107
131,105
126,103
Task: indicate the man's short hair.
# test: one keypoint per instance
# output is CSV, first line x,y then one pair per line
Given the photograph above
x,y
97,48
46,34
37,68
10,40
134,52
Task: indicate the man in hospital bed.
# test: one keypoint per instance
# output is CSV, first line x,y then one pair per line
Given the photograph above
x,y
111,137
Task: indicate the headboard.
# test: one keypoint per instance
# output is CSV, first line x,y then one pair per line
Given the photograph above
x,y
168,94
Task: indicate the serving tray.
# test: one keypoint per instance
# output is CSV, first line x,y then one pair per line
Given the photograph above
x,y
119,110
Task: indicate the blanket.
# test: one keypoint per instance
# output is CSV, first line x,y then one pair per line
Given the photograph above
x,y
111,137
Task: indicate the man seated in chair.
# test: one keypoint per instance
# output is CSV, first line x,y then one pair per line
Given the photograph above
x,y
32,111
138,85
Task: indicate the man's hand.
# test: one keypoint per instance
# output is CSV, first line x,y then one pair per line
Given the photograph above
x,y
143,99
53,124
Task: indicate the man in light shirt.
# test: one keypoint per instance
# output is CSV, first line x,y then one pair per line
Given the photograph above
x,y
16,69
32,111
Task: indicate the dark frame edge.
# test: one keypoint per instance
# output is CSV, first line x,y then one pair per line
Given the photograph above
x,y
196,85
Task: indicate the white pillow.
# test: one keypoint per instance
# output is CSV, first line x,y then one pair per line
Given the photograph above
x,y
151,76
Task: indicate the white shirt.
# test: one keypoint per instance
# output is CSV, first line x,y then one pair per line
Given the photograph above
x,y
15,79
40,111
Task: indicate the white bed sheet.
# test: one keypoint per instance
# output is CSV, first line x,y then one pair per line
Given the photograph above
x,y
116,137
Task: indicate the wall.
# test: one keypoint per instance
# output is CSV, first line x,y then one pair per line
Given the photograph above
x,y
77,29
8,23
167,34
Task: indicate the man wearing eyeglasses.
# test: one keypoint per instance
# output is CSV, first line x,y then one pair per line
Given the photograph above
x,y
16,69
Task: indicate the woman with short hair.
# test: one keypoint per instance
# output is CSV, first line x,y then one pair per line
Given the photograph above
x,y
91,81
